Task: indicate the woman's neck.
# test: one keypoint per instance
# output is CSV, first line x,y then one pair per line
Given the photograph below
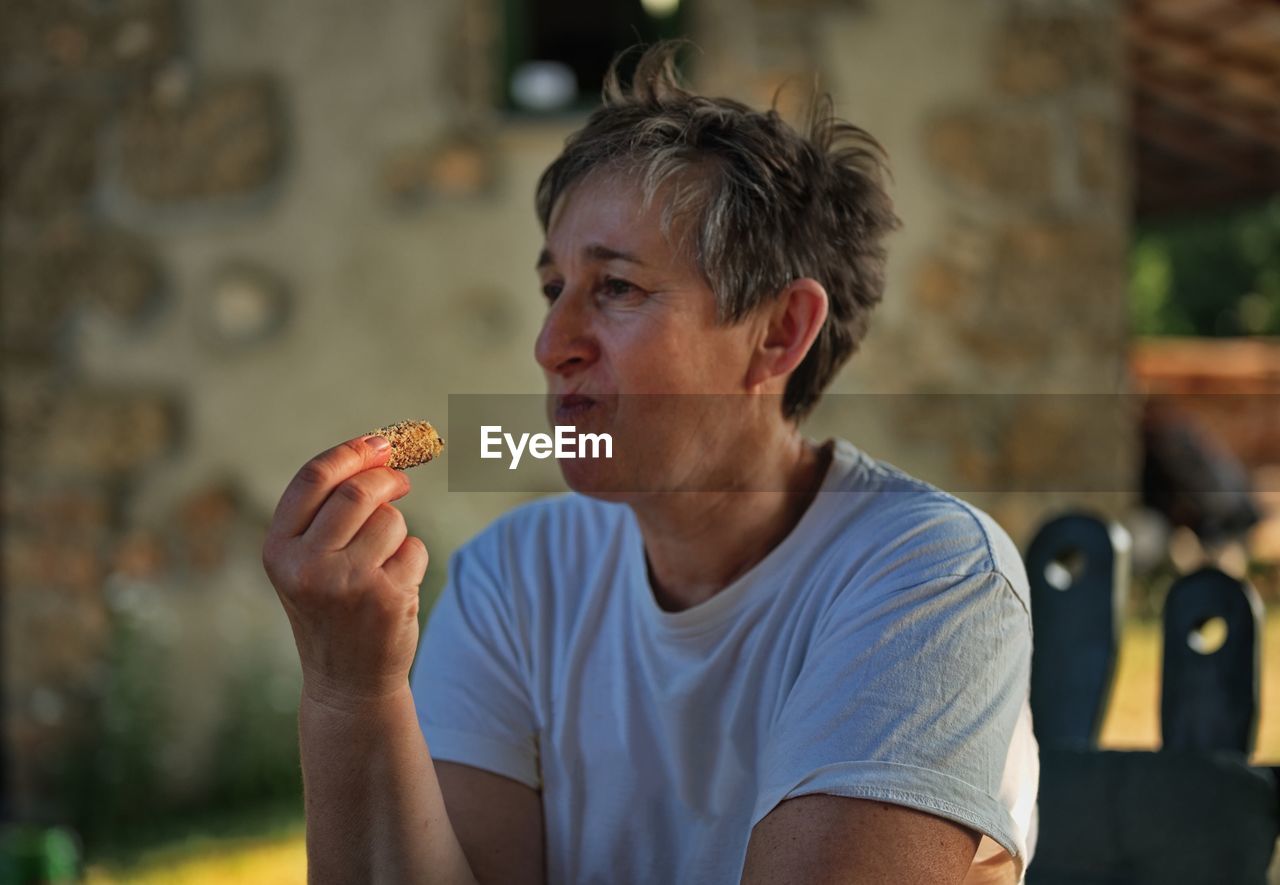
x,y
698,543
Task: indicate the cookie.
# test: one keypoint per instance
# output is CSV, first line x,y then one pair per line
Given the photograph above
x,y
412,443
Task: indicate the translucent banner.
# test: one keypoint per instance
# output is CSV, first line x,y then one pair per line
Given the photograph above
x,y
962,442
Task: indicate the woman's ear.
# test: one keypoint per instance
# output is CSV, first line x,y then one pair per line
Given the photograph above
x,y
793,322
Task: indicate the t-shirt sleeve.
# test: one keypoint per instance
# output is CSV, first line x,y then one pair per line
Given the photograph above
x,y
909,696
469,679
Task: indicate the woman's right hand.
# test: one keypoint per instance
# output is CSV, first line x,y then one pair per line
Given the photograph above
x,y
347,573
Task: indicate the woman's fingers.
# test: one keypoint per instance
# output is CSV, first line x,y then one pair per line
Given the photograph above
x,y
311,486
408,565
352,503
379,538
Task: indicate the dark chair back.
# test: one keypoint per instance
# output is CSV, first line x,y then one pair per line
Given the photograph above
x,y
1193,812
1209,697
1078,568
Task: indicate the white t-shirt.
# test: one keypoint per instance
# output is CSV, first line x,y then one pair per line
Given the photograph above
x,y
881,651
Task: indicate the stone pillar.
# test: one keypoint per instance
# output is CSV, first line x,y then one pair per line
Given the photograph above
x,y
1005,124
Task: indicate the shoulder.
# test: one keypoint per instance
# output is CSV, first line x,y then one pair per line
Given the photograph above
x,y
910,532
549,533
532,561
546,517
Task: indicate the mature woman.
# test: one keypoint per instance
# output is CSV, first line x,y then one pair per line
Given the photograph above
x,y
733,653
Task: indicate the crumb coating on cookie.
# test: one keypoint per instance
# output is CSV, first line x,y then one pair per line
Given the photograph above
x,y
412,443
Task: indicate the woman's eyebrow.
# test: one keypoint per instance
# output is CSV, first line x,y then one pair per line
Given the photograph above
x,y
594,252
603,253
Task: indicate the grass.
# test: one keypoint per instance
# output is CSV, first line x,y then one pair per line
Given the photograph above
x,y
225,853
263,846
279,861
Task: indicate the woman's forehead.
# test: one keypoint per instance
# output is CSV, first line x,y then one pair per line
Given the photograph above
x,y
612,210
600,196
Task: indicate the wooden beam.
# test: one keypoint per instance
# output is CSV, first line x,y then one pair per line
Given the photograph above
x,y
1200,186
1245,81
1160,168
1167,198
1189,142
1170,183
1196,16
1242,35
1200,68
1157,87
1258,38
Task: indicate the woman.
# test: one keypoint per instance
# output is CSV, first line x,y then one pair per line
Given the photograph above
x,y
732,653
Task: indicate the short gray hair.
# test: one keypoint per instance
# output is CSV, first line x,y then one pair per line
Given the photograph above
x,y
766,204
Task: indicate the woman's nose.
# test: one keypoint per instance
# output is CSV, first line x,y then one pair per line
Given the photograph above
x,y
566,342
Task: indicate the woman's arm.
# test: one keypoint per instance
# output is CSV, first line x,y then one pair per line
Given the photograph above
x,y
375,811
347,573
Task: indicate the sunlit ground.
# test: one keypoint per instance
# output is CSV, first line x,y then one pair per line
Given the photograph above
x,y
1132,723
278,861
260,847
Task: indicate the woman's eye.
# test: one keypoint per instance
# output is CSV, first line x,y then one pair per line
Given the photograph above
x,y
551,291
616,287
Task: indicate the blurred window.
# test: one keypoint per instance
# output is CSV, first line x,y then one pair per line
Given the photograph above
x,y
557,51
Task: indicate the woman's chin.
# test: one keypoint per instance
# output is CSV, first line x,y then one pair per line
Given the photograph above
x,y
595,479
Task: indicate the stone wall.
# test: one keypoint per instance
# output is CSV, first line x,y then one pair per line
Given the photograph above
x,y
1005,124
72,441
235,232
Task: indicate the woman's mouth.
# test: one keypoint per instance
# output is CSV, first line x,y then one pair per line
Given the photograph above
x,y
572,407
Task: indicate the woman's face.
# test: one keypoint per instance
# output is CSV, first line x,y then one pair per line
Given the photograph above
x,y
629,317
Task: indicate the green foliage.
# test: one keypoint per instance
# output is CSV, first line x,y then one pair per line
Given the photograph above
x,y
114,782
111,778
1212,275
256,754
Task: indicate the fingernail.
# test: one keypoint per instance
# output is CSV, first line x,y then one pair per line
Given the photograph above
x,y
378,444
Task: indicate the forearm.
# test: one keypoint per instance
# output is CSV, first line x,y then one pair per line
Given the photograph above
x,y
375,813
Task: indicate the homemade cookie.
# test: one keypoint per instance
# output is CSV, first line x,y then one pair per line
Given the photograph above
x,y
412,443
